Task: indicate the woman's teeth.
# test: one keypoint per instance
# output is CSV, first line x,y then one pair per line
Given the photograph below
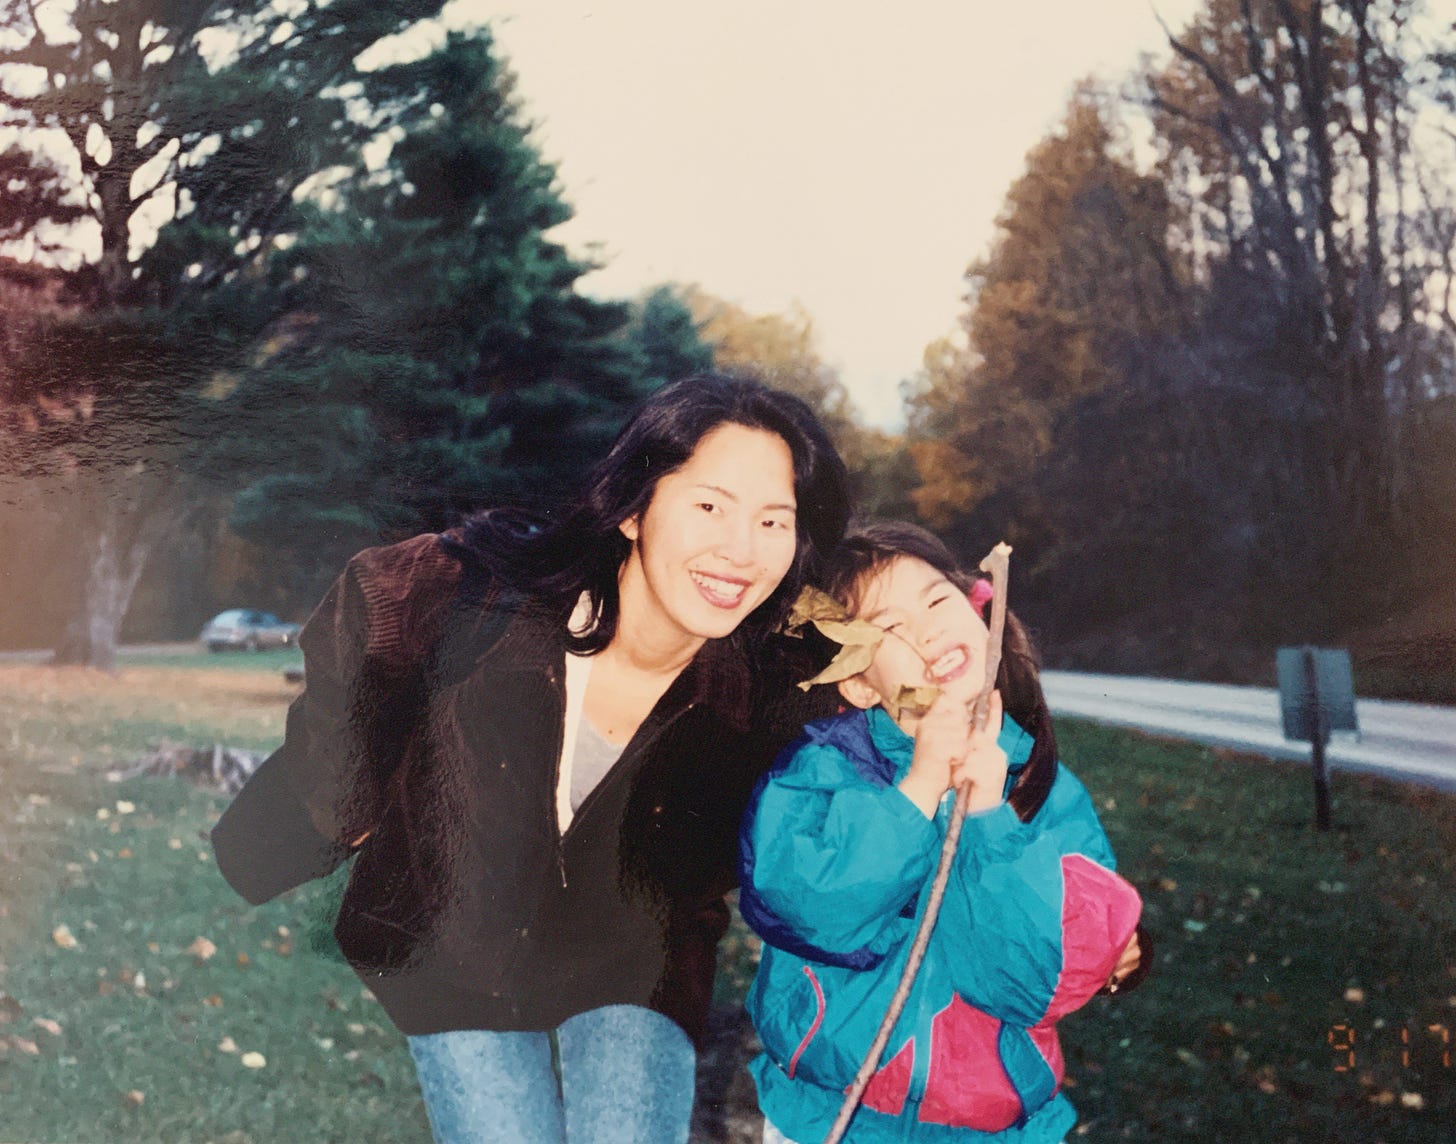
x,y
718,592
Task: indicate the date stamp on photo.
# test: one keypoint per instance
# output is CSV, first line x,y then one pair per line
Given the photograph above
x,y
1417,1045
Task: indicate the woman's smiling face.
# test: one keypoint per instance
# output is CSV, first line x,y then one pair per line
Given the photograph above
x,y
934,635
715,540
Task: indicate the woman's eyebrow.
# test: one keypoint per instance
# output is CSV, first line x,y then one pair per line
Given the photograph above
x,y
722,492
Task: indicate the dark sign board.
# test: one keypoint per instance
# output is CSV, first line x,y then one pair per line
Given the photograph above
x,y
1311,678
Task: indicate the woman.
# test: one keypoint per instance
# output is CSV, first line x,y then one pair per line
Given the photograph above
x,y
538,738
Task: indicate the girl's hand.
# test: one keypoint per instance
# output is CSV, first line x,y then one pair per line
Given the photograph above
x,y
983,765
1126,965
942,740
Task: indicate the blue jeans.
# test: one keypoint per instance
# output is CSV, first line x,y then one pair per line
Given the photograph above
x,y
627,1076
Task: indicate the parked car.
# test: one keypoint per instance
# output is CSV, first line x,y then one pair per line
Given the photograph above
x,y
247,628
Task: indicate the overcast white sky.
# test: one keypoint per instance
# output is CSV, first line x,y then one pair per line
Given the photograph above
x,y
848,155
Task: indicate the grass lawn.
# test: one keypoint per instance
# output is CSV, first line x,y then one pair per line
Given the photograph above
x,y
135,987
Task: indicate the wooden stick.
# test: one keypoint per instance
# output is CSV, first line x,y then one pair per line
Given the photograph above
x,y
998,565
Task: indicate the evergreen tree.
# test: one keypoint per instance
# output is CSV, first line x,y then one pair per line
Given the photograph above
x,y
194,126
438,355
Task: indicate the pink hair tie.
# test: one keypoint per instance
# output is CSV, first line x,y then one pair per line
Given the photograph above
x,y
980,595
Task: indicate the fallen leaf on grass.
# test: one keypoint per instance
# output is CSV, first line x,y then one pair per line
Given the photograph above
x,y
1413,1100
124,807
51,1027
1355,996
254,1061
64,938
1189,1059
202,948
227,1045
244,961
174,844
24,1044
213,1000
135,1098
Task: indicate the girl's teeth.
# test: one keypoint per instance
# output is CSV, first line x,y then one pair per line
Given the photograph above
x,y
948,662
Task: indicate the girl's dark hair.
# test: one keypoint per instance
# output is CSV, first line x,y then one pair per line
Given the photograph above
x,y
552,561
869,548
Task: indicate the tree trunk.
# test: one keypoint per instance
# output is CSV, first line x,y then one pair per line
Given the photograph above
x,y
115,552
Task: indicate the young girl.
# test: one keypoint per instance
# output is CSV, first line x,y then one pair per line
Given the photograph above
x,y
838,850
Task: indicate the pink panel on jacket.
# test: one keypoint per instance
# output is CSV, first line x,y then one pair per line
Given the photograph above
x,y
888,1088
967,1087
1044,1037
1099,914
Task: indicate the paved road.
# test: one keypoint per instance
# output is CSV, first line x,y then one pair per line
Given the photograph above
x,y
1407,740
43,655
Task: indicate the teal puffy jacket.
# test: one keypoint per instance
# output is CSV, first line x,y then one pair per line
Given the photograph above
x,y
836,865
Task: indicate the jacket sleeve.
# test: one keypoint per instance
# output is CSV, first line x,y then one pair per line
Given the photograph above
x,y
303,810
1034,917
839,861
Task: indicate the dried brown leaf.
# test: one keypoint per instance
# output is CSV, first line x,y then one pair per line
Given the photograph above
x,y
858,640
850,660
911,700
813,605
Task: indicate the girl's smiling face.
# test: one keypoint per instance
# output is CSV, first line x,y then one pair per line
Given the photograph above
x,y
933,636
715,540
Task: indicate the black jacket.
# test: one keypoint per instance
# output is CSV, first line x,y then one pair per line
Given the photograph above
x,y
432,723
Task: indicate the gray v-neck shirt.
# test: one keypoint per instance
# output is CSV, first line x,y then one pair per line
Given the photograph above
x,y
593,759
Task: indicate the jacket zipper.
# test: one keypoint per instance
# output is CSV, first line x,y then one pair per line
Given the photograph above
x,y
559,693
631,750
925,1014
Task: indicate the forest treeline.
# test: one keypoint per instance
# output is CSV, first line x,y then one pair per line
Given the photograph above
x,y
1203,381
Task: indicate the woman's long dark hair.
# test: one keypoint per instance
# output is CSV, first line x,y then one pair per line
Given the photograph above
x,y
871,546
552,561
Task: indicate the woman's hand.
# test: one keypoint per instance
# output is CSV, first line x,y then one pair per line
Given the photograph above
x,y
983,766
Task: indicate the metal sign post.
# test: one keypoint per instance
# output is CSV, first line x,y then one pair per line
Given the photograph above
x,y
1316,696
